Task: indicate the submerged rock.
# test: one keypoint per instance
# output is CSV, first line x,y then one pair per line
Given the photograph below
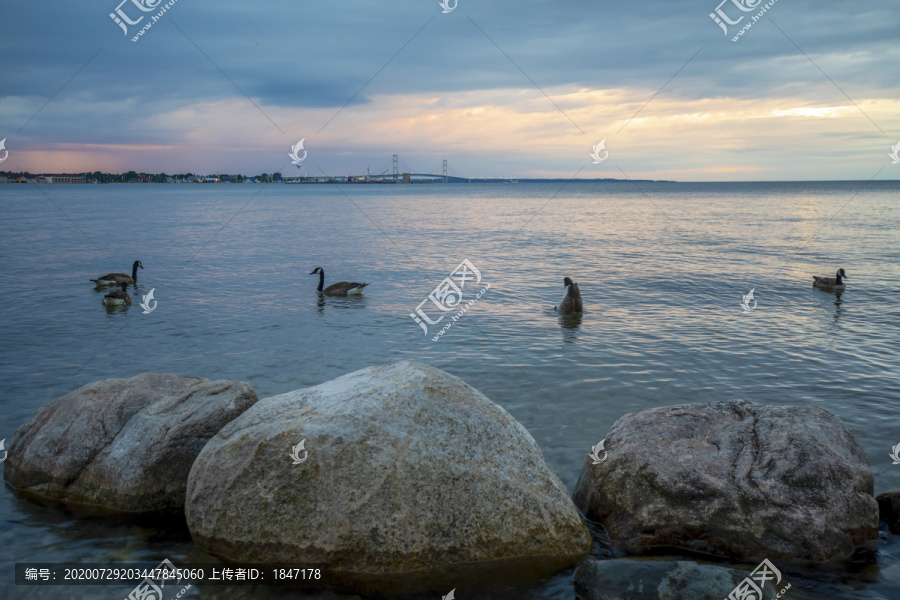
x,y
889,509
625,579
122,445
403,468
737,479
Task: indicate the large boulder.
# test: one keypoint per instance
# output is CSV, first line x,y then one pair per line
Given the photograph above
x,y
625,579
743,480
404,468
122,445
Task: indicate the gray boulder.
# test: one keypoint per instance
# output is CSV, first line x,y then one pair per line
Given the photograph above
x,y
889,509
122,445
404,468
736,479
625,579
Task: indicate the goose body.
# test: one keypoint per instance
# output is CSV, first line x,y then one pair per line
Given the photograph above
x,y
118,297
835,284
119,278
572,301
342,288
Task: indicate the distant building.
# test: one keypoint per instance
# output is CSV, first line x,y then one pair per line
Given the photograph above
x,y
20,178
63,178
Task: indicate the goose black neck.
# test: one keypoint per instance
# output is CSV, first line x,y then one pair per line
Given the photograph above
x,y
134,269
321,280
838,279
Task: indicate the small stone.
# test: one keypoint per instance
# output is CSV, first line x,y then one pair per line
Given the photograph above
x,y
889,509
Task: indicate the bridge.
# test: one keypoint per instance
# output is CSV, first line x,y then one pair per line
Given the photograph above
x,y
396,176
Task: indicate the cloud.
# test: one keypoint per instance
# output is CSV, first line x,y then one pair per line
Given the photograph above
x,y
471,86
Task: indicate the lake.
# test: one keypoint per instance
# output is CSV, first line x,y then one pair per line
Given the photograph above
x,y
662,267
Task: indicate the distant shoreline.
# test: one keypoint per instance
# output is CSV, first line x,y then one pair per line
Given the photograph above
x,y
337,181
343,181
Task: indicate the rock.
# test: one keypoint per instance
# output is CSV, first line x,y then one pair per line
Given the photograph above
x,y
736,479
122,445
889,509
625,579
408,469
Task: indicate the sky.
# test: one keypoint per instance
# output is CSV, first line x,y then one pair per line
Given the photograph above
x,y
498,89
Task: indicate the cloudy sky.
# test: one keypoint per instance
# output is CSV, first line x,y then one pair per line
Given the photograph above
x,y
498,88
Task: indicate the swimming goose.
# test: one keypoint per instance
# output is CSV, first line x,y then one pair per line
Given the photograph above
x,y
118,297
342,288
119,278
835,283
572,301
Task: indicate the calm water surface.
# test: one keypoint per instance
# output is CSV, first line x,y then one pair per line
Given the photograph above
x,y
662,268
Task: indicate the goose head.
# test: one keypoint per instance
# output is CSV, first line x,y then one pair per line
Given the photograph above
x,y
317,270
137,265
567,282
841,274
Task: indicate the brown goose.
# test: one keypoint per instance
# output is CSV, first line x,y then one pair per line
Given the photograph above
x,y
342,288
118,297
119,278
834,284
572,301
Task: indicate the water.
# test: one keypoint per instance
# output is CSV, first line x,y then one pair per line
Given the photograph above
x,y
662,268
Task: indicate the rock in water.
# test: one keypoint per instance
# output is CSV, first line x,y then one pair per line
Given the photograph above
x,y
408,469
122,445
889,509
743,480
660,580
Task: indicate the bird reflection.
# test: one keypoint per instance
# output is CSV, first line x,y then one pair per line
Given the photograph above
x,y
344,302
837,305
569,324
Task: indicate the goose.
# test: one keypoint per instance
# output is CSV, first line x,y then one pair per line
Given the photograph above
x,y
572,301
119,278
118,297
835,283
342,288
